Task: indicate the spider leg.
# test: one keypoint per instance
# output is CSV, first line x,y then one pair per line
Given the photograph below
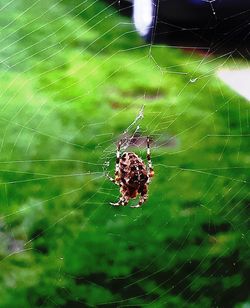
x,y
150,166
143,198
117,177
122,202
116,180
112,179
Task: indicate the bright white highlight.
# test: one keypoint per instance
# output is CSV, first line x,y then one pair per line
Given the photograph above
x,y
143,15
238,80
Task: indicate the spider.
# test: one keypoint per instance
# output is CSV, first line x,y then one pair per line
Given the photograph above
x,y
132,175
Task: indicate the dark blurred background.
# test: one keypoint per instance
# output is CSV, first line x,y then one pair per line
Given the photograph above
x,y
218,26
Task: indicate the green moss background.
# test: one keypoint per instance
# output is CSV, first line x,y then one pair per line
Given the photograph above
x,y
74,75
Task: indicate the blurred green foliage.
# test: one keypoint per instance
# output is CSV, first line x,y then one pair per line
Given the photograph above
x,y
74,75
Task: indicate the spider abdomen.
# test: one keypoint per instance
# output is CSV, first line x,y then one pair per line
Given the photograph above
x,y
133,170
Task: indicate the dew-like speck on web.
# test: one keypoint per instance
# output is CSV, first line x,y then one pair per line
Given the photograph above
x,y
192,80
106,164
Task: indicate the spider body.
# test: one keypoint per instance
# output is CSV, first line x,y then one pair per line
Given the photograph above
x,y
133,173
133,176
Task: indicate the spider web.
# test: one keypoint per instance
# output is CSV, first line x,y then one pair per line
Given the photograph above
x,y
75,79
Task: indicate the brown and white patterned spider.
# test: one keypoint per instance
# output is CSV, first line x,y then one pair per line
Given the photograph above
x,y
132,175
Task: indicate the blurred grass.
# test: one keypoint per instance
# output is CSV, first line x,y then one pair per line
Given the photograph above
x,y
74,75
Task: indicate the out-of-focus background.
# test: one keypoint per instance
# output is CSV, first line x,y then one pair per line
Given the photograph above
x,y
74,77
